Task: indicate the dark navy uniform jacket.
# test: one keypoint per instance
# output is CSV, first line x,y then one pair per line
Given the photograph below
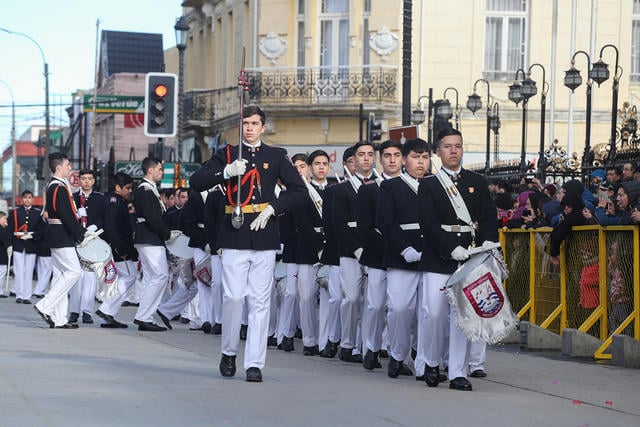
x,y
152,231
5,242
330,253
213,217
117,224
398,204
372,242
272,164
309,231
288,237
171,218
42,247
344,214
60,207
192,220
435,209
94,205
27,220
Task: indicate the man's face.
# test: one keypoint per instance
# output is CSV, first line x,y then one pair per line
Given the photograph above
x,y
125,192
627,171
27,200
155,172
183,197
320,168
450,152
364,160
350,164
64,169
3,221
252,129
171,200
391,160
86,182
417,164
303,168
612,176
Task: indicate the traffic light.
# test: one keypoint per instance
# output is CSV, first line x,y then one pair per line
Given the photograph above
x,y
374,129
160,105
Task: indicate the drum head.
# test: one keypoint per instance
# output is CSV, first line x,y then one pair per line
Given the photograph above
x,y
180,247
97,250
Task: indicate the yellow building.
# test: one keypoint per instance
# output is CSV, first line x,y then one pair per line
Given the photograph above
x,y
311,63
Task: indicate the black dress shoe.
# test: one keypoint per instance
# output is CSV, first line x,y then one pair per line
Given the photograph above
x,y
3,296
26,301
176,318
311,351
206,327
18,300
216,329
287,344
73,317
442,377
404,370
148,326
370,360
254,375
243,332
272,341
45,317
110,321
86,318
432,376
298,333
38,296
346,355
164,319
12,294
228,365
478,373
460,383
384,354
68,326
330,350
393,368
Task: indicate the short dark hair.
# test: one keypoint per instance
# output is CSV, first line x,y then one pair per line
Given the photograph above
x,y
360,144
87,172
2,214
56,159
448,131
149,162
389,144
168,192
314,154
179,190
250,110
25,192
299,157
121,179
349,152
416,145
617,169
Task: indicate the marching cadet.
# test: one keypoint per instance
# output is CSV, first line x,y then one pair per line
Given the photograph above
x,y
150,233
90,209
249,245
397,218
350,249
372,254
27,226
456,212
213,217
63,234
117,224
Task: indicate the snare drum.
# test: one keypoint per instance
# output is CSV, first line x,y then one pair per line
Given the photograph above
x,y
94,252
179,247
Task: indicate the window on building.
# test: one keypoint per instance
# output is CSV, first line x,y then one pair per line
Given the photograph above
x,y
334,34
300,27
505,38
635,42
366,48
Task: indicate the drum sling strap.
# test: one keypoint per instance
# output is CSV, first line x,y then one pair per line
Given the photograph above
x,y
457,202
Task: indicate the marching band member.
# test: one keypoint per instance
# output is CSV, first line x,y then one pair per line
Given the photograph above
x,y
249,251
150,233
397,218
117,224
213,217
372,257
90,209
27,225
63,234
456,213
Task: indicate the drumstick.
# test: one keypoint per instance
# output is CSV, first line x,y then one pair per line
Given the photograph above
x,y
481,249
94,235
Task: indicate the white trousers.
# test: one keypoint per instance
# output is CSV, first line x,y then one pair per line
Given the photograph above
x,y
179,300
127,275
329,315
205,294
23,265
83,293
402,296
3,278
376,305
155,276
308,292
44,274
351,281
431,338
287,317
216,287
273,310
247,273
66,272
477,355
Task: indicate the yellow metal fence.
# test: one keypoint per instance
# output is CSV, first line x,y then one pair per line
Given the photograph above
x,y
595,288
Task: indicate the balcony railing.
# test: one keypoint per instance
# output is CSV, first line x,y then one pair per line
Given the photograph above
x,y
203,106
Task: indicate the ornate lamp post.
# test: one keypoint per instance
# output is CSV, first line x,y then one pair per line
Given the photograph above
x,y
474,103
572,80
543,102
522,91
457,106
599,73
182,31
494,124
418,115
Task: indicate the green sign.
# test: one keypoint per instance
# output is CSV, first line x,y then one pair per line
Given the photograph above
x,y
114,104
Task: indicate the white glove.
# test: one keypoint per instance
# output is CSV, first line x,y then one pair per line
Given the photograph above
x,y
235,168
358,253
173,235
207,248
411,255
92,227
460,253
261,221
82,212
88,236
28,235
487,245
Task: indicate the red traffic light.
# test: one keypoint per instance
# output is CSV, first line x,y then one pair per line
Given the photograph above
x,y
160,90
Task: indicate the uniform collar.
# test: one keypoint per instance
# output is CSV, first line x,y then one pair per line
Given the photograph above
x,y
320,185
252,148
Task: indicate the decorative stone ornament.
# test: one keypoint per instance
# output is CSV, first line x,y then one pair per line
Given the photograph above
x,y
384,42
273,46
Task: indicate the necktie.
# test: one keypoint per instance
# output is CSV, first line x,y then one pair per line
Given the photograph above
x,y
83,201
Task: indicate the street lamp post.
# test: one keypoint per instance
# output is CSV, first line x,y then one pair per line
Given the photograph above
x,y
14,162
494,124
456,108
543,101
474,103
181,28
522,91
573,79
600,73
47,141
418,116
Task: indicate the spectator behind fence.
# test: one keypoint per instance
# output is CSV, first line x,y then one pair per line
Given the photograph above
x,y
523,207
607,211
620,295
629,203
504,207
572,206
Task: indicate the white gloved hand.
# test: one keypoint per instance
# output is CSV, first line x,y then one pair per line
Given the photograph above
x,y
235,168
92,227
174,234
207,248
358,253
411,255
261,221
460,253
488,245
27,236
82,212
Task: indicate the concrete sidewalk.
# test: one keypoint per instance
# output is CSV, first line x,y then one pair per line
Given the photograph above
x,y
104,377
